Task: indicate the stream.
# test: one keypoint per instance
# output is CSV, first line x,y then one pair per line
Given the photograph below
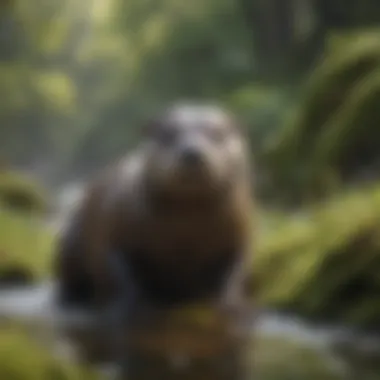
x,y
339,352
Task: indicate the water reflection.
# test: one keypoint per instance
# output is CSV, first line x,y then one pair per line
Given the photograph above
x,y
285,348
186,344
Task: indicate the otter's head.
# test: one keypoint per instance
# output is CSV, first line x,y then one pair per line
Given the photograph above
x,y
194,150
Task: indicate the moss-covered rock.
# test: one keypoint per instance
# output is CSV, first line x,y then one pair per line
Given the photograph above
x,y
22,358
332,138
25,248
20,193
325,264
277,358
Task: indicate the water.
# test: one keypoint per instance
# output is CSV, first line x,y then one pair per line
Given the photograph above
x,y
343,352
35,304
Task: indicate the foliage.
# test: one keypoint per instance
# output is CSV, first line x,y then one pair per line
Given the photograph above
x,y
332,138
79,78
325,263
168,51
25,248
284,359
21,193
21,358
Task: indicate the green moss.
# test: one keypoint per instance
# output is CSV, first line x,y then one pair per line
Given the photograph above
x,y
25,246
342,143
22,358
332,135
325,264
21,193
281,359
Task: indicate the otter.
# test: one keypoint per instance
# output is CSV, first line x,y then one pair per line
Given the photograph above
x,y
170,222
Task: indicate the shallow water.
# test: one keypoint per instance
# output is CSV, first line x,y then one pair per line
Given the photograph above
x,y
35,304
346,353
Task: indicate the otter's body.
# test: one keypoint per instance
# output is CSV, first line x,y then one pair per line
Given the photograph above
x,y
176,212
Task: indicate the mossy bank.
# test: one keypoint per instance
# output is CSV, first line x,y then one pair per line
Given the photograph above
x,y
325,262
23,358
26,243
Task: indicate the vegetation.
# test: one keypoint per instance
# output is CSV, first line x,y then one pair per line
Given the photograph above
x,y
22,358
280,359
331,140
325,263
25,249
25,243
21,194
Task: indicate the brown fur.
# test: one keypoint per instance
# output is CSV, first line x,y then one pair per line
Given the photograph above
x,y
173,242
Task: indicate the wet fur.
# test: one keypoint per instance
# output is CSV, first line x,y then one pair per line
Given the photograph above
x,y
165,251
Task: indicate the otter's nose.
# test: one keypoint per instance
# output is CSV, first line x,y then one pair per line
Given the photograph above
x,y
191,156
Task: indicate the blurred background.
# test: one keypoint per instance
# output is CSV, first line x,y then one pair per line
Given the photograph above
x,y
77,78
